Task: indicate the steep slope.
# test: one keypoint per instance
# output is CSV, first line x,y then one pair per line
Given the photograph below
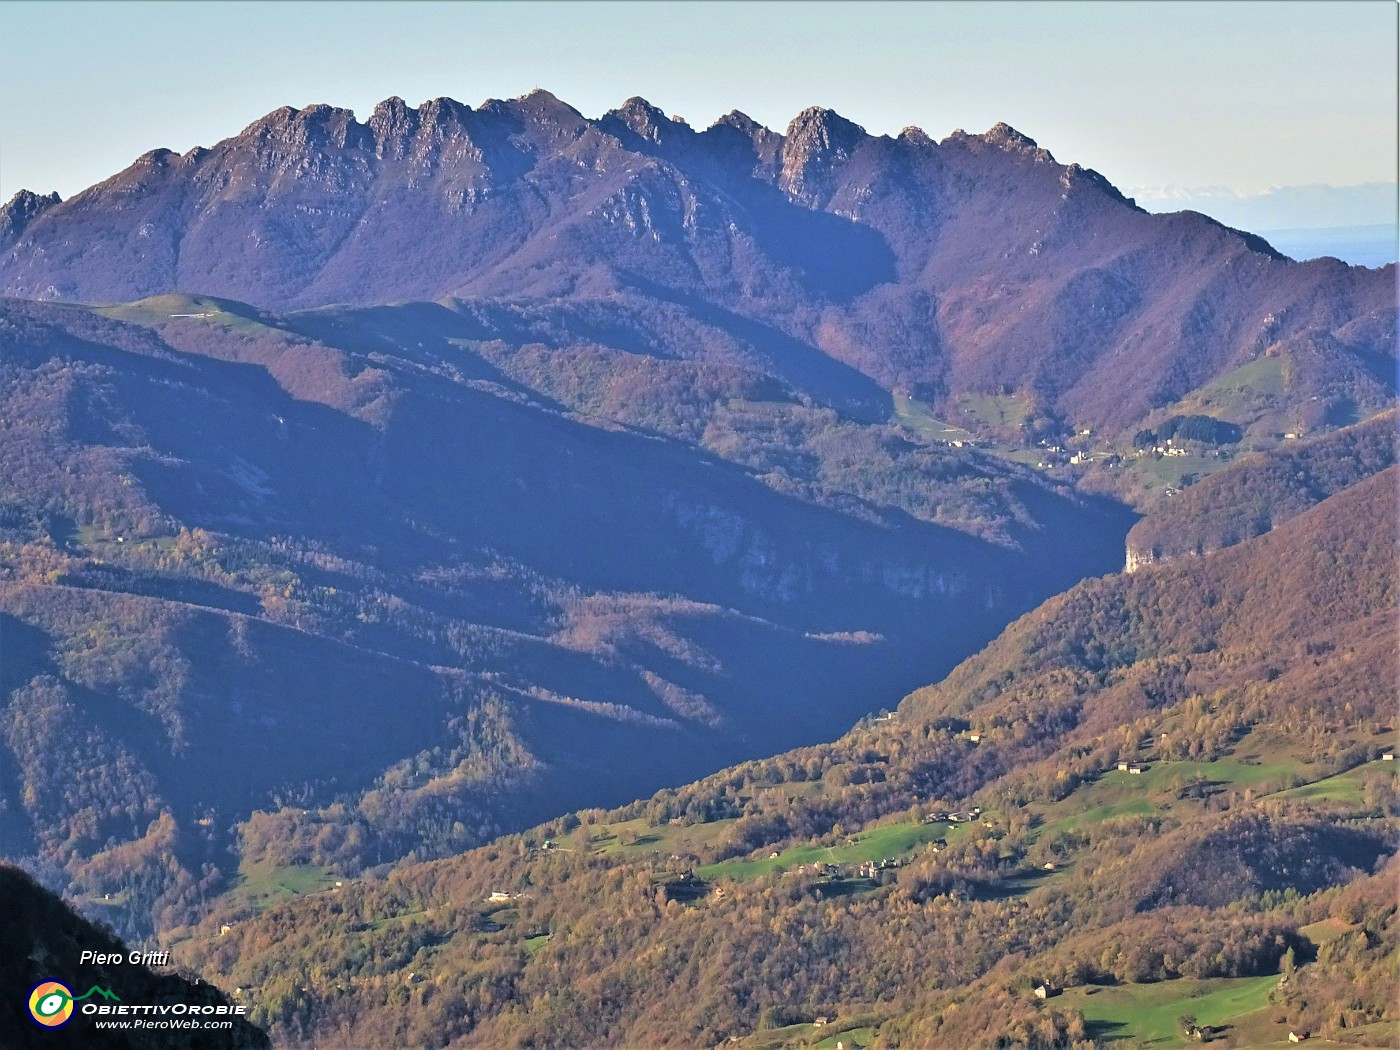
x,y
973,265
399,606
41,939
916,879
1257,493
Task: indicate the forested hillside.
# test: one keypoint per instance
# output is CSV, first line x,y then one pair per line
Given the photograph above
x,y
265,597
1256,493
1159,794
383,504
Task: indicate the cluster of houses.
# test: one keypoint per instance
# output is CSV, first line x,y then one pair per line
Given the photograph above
x,y
1057,455
1131,768
830,871
1162,451
960,817
872,868
967,442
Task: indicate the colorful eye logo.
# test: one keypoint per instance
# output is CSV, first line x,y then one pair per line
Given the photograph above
x,y
50,1004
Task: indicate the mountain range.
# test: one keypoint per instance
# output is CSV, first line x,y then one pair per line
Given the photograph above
x,y
389,502
830,257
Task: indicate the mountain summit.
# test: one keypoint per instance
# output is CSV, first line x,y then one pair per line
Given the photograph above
x,y
975,264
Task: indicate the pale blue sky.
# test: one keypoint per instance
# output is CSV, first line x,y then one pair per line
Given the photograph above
x,y
1244,95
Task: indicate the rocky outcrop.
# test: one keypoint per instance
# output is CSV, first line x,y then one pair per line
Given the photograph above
x,y
817,141
24,207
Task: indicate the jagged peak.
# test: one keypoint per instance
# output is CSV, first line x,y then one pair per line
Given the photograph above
x,y
155,158
816,140
738,119
319,111
442,106
318,117
538,104
1004,134
818,124
392,123
23,208
1077,175
28,199
395,125
279,117
391,107
915,136
645,120
313,127
636,105
443,116
542,101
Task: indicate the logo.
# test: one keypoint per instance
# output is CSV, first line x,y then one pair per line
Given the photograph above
x,y
51,1003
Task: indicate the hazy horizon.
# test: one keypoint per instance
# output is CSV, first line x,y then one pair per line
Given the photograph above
x,y
1101,85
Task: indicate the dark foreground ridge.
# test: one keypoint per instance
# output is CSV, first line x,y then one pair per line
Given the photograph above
x,y
42,939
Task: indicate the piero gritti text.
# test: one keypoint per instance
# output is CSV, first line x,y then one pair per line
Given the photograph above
x,y
133,958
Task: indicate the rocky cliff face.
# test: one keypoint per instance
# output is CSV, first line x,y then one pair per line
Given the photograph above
x,y
1137,559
